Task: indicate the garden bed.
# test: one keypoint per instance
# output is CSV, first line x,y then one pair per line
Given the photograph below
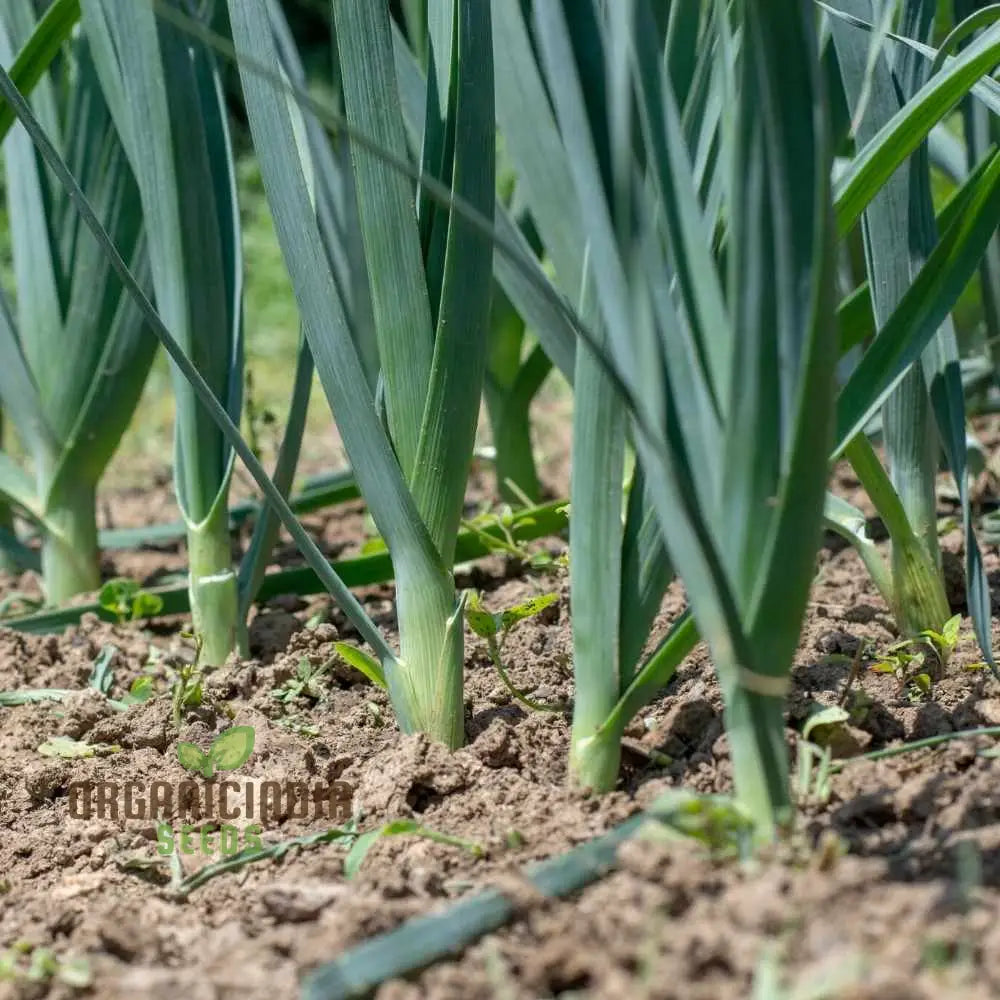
x,y
908,911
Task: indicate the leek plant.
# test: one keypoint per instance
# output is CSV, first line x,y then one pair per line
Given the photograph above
x,y
166,101
924,414
521,281
619,568
898,232
73,352
410,443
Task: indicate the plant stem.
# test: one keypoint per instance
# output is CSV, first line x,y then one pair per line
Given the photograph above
x,y
8,564
515,463
918,589
594,760
493,648
212,586
912,444
595,755
425,685
595,568
70,560
755,724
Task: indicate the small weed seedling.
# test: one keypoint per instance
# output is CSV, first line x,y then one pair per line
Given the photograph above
x,y
717,822
102,678
916,662
186,691
306,682
127,601
181,886
24,963
229,750
506,543
815,752
186,686
366,841
140,690
294,722
494,628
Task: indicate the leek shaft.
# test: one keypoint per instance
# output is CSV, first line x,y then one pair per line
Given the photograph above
x,y
425,684
70,562
918,589
212,586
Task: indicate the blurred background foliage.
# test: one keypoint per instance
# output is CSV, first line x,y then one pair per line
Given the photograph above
x,y
272,323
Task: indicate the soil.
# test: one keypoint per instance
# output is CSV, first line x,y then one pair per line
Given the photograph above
x,y
889,885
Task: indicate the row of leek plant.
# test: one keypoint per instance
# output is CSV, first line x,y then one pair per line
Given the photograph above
x,y
707,302
198,269
17,106
722,343
613,631
76,361
924,415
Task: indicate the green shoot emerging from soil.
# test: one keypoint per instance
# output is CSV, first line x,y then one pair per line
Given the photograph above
x,y
398,827
494,627
916,662
181,885
229,750
186,688
24,963
305,683
127,601
496,530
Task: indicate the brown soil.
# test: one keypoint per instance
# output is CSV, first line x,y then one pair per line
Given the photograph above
x,y
889,887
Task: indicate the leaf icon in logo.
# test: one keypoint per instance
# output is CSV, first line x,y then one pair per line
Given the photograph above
x,y
193,759
232,748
